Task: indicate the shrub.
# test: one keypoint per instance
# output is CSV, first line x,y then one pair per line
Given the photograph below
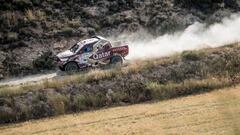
x,y
118,97
58,102
192,55
45,61
6,114
41,15
12,36
85,102
80,103
66,31
9,18
97,100
159,91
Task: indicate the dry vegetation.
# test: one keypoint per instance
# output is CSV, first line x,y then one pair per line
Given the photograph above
x,y
212,113
30,15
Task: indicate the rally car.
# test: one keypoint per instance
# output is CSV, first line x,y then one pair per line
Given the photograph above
x,y
94,52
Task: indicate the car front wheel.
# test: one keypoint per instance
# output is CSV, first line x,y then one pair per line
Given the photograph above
x,y
71,67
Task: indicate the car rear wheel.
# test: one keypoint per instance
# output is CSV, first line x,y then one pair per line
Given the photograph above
x,y
71,67
116,61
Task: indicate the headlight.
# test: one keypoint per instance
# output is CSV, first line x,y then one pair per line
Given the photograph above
x,y
64,59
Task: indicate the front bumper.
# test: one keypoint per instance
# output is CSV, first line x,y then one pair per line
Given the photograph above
x,y
59,62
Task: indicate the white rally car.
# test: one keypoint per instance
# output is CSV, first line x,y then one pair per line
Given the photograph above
x,y
96,51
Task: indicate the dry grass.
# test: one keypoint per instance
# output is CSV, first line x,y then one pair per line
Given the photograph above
x,y
170,90
212,113
30,15
98,75
74,23
41,15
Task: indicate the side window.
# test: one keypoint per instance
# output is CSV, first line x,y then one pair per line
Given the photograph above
x,y
107,46
87,49
101,46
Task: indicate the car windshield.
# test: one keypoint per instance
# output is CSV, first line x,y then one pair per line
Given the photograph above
x,y
74,48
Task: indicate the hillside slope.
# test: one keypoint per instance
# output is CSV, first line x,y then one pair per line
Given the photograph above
x,y
183,74
30,29
212,113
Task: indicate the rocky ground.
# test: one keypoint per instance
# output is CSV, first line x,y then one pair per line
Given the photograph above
x,y
31,30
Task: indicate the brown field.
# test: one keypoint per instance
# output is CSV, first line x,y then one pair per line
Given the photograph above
x,y
217,113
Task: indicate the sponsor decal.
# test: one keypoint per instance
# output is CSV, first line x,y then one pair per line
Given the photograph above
x,y
119,49
101,55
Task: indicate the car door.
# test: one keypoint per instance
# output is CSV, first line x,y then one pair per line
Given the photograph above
x,y
85,53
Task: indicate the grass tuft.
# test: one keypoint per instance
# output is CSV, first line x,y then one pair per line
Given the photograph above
x,y
30,15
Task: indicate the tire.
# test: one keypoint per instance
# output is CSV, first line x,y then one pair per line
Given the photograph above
x,y
71,67
116,61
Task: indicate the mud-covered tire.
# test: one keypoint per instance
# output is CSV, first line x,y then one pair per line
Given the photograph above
x,y
116,61
71,67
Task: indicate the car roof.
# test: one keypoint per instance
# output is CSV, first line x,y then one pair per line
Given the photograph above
x,y
92,40
88,41
99,37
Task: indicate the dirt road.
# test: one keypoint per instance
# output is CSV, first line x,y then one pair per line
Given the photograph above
x,y
212,113
28,79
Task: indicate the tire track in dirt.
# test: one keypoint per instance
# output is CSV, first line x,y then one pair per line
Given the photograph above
x,y
175,112
89,123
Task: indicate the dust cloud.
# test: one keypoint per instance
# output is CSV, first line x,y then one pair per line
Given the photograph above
x,y
143,45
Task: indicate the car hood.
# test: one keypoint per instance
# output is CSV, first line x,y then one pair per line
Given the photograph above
x,y
65,54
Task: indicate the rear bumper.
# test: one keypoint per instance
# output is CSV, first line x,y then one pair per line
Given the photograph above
x,y
123,50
